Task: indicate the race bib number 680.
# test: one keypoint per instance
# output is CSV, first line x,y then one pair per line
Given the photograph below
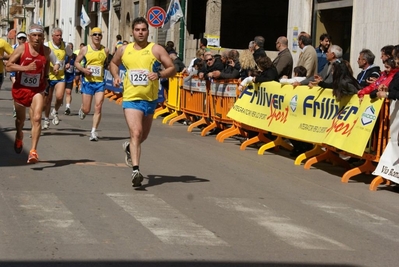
x,y
138,77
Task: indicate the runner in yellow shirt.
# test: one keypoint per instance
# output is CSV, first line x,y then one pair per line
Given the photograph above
x,y
142,60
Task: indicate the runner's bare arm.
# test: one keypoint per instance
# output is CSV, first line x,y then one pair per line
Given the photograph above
x,y
114,64
161,54
47,52
79,58
14,58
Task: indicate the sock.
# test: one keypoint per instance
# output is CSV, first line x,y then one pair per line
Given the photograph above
x,y
46,118
67,106
93,130
136,168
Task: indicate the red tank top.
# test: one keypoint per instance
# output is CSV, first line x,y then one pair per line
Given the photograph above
x,y
33,79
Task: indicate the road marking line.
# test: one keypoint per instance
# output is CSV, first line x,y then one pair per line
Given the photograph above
x,y
281,226
44,213
165,222
361,218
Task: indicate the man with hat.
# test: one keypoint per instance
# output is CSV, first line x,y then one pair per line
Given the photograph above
x,y
95,55
21,38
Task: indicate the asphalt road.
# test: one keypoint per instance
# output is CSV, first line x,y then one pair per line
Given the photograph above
x,y
203,203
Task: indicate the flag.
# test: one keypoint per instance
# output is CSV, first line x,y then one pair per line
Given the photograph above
x,y
84,18
173,15
23,27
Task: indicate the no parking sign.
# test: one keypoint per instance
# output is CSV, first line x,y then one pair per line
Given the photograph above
x,y
156,16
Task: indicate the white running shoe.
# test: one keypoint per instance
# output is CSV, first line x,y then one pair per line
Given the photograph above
x,y
93,136
137,178
55,120
128,159
46,125
82,116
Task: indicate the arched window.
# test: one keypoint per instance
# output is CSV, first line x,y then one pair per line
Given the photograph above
x,y
128,18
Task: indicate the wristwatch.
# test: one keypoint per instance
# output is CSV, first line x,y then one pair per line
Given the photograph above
x,y
159,75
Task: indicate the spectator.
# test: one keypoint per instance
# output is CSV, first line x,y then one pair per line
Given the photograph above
x,y
308,56
334,53
370,72
170,46
392,90
384,79
251,47
283,62
198,64
125,42
258,48
344,84
204,44
118,42
232,67
177,62
247,63
299,75
321,51
211,64
386,52
267,73
198,55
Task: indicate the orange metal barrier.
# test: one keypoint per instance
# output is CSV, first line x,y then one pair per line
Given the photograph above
x,y
193,102
172,96
117,97
376,145
221,96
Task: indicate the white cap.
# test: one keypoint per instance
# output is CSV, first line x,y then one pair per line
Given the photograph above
x,y
21,34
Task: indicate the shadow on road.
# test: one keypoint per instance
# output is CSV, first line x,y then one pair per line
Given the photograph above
x,y
60,163
154,180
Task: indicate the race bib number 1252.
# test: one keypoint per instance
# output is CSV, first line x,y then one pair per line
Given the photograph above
x,y
138,77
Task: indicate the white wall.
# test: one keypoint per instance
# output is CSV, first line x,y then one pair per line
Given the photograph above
x,y
67,19
300,16
374,25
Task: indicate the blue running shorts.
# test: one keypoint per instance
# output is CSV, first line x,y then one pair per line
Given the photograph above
x,y
147,107
52,83
91,88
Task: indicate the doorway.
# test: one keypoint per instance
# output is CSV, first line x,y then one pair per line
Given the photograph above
x,y
335,18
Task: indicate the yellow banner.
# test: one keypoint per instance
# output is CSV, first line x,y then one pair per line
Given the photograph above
x,y
309,114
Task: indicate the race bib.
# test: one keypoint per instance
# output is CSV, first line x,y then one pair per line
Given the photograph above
x,y
138,77
95,70
30,80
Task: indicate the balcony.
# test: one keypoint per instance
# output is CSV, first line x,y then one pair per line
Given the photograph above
x,y
16,9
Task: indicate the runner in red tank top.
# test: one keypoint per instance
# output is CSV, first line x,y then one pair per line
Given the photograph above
x,y
31,64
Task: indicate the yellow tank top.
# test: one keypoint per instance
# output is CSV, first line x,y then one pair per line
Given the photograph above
x,y
138,63
60,53
95,61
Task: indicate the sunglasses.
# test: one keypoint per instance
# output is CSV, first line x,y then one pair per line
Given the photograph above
x,y
21,38
97,34
209,59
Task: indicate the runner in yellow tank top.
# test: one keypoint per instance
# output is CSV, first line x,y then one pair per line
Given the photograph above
x,y
93,82
142,60
136,85
56,77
